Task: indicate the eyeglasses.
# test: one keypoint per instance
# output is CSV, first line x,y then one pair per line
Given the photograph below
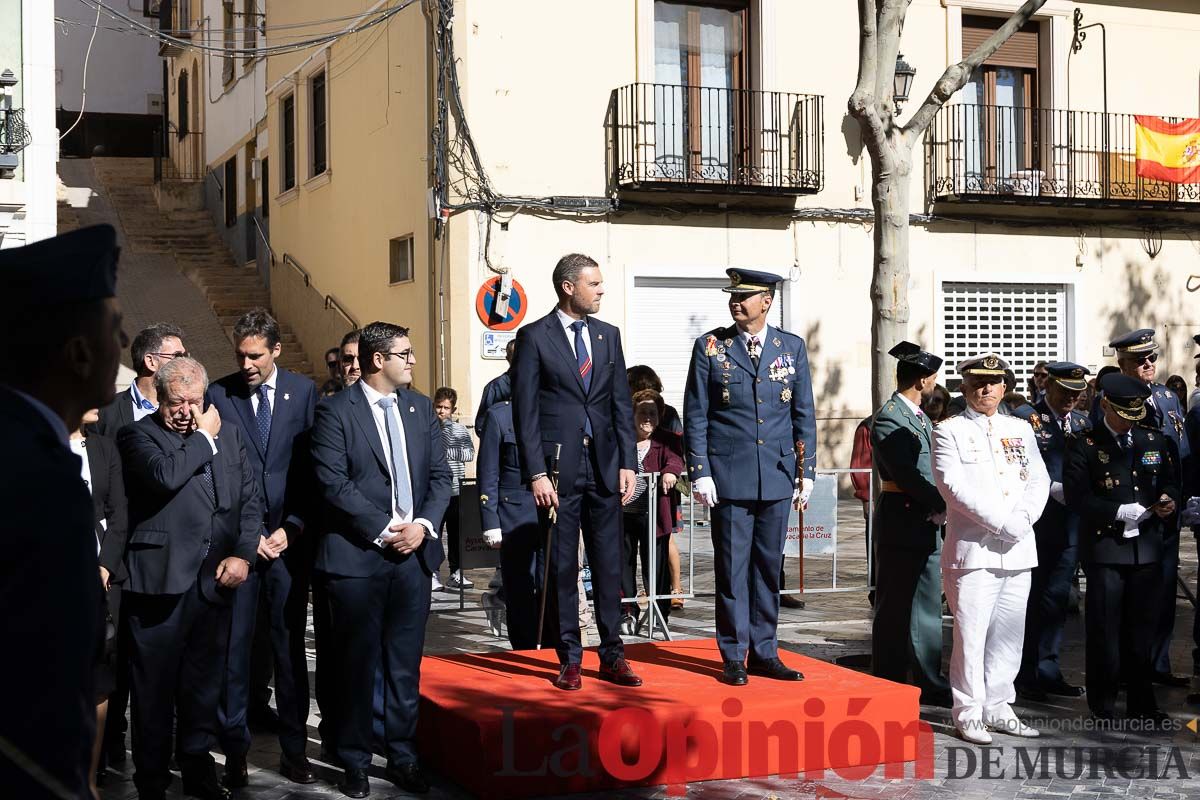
x,y
349,359
407,355
178,354
1041,374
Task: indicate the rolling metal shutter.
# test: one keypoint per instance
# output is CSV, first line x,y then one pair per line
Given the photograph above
x,y
1019,51
1023,323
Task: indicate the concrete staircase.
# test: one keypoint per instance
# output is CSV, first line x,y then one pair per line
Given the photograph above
x,y
190,236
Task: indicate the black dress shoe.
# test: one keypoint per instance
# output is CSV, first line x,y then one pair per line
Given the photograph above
x,y
297,769
775,669
1063,689
408,777
205,787
1030,692
790,601
355,784
734,674
1167,679
236,775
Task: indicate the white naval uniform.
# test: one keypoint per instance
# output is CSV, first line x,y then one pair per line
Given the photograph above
x,y
990,473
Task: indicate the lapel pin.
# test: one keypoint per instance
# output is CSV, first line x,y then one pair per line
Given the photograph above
x,y
287,396
776,341
600,336
412,409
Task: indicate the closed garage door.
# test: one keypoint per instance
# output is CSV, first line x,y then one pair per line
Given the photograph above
x,y
667,315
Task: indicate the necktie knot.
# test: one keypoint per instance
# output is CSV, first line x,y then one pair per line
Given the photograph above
x,y
577,325
386,402
262,391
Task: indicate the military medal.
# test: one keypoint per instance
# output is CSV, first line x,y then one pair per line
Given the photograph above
x,y
786,395
1108,482
710,346
729,342
720,356
725,395
1024,474
1102,457
776,341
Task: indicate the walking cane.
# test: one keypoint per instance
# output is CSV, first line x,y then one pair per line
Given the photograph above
x,y
800,486
553,520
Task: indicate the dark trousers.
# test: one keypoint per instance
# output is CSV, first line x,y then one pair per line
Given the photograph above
x,y
1195,622
587,506
176,661
906,634
1164,623
324,674
748,537
521,567
118,699
1121,606
453,534
637,539
1049,593
280,589
378,624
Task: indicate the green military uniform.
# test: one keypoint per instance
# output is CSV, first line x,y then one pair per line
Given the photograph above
x,y
907,630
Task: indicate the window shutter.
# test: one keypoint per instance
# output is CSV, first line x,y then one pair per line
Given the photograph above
x,y
1021,50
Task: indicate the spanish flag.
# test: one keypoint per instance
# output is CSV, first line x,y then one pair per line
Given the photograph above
x,y
1168,151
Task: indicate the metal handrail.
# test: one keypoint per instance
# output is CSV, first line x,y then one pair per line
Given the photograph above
x,y
294,264
263,235
331,302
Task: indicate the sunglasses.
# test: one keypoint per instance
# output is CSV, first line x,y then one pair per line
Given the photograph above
x,y
179,354
349,359
1150,359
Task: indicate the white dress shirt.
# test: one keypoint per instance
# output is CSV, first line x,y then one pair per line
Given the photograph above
x,y
566,321
762,337
377,412
270,384
138,401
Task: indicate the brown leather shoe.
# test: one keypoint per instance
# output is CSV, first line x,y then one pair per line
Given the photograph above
x,y
620,673
570,678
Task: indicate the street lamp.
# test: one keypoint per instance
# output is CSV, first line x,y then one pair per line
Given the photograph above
x,y
903,81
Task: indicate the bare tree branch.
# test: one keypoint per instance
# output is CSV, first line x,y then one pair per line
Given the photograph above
x,y
957,75
862,104
891,23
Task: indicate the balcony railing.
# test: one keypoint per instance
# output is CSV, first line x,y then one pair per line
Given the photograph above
x,y
726,141
184,159
14,137
1011,154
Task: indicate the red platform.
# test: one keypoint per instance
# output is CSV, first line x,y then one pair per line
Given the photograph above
x,y
495,724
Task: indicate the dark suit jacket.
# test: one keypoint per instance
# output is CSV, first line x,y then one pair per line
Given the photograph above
x,y
549,403
171,518
108,501
498,389
1058,527
284,471
50,593
115,415
1098,477
352,470
505,501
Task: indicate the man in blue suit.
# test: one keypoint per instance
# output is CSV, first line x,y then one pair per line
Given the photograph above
x,y
497,390
747,410
273,410
1054,420
1137,354
381,465
570,390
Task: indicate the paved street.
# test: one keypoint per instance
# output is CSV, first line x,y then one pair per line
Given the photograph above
x,y
836,626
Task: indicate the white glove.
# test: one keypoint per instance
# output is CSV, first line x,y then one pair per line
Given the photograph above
x,y
705,491
1056,491
938,519
806,490
1191,513
1016,528
492,537
1130,513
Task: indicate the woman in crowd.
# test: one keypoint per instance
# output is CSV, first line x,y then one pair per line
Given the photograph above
x,y
937,405
101,469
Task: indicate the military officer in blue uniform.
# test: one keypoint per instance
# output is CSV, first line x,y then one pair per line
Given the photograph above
x,y
906,634
1055,420
750,433
1137,353
510,517
1121,480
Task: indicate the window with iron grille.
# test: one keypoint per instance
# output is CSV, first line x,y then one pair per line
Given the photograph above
x,y
230,40
1023,323
401,259
318,103
288,135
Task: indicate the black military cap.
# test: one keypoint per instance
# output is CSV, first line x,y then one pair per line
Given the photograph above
x,y
750,280
1196,339
1069,376
1135,342
913,354
1126,395
74,267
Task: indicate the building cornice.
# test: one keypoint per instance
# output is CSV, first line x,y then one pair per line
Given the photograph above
x,y
1052,8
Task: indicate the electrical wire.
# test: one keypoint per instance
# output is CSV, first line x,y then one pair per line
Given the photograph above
x,y
83,100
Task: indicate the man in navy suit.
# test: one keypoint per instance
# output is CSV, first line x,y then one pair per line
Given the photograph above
x,y
273,410
194,520
1054,420
380,462
510,520
570,390
748,404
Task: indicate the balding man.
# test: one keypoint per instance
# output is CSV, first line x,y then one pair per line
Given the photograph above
x,y
194,520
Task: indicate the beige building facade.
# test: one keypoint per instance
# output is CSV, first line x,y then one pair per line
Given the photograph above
x,y
717,136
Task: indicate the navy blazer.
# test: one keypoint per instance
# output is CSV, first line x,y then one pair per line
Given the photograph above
x,y
115,415
176,535
505,501
51,596
498,389
741,423
1051,438
549,402
352,470
109,503
283,472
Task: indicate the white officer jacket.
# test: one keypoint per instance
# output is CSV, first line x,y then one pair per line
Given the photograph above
x,y
989,471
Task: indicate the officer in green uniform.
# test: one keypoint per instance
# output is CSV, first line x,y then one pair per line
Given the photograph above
x,y
907,632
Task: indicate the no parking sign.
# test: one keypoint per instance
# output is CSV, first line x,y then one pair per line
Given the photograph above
x,y
485,306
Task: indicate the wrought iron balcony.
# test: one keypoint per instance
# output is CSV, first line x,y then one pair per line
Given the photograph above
x,y
662,137
14,137
1011,154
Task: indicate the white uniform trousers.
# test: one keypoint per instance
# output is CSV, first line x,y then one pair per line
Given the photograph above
x,y
989,632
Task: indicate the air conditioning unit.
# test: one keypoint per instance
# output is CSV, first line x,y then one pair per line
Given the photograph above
x,y
154,105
